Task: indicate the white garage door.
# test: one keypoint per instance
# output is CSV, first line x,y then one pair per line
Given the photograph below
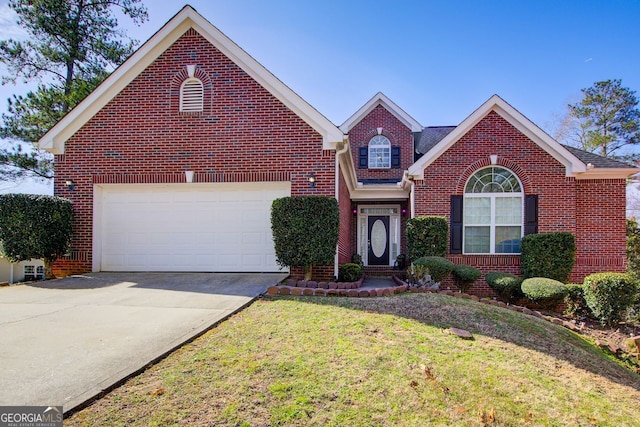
x,y
186,227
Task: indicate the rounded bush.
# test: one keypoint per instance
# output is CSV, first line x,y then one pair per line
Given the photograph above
x,y
505,285
349,272
576,304
439,268
464,276
547,293
608,295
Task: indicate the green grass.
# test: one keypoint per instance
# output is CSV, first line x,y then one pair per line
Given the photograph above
x,y
377,362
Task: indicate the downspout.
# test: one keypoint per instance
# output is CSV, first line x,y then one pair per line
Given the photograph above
x,y
345,147
408,180
11,273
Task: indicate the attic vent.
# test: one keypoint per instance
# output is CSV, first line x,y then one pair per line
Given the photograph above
x,y
191,96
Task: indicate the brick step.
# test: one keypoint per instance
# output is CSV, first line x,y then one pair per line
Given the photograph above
x,y
382,271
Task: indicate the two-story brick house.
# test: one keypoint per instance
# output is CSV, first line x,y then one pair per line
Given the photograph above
x,y
173,162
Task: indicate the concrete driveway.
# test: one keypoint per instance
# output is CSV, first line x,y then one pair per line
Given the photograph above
x,y
64,341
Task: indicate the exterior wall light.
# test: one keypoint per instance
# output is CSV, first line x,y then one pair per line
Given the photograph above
x,y
70,184
312,180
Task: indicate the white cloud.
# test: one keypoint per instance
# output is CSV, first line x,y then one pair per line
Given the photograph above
x,y
9,27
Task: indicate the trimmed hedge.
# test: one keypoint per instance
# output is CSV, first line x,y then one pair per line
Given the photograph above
x,y
549,255
427,236
35,226
608,295
576,304
305,231
464,276
349,272
506,285
439,268
545,292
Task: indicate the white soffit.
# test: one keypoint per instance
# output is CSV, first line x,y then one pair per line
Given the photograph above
x,y
381,99
187,18
572,164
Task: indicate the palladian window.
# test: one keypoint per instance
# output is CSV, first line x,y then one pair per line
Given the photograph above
x,y
493,212
379,152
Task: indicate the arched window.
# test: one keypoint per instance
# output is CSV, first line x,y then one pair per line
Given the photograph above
x,y
379,152
191,96
492,212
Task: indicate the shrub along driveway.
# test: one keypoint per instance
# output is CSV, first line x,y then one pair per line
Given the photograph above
x,y
66,340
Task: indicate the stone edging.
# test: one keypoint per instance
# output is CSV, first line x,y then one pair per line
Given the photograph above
x,y
312,284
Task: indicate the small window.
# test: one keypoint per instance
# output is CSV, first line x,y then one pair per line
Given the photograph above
x,y
191,96
379,153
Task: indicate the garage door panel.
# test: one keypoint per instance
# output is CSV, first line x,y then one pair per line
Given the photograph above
x,y
187,227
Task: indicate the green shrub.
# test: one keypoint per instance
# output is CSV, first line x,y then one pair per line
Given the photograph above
x,y
576,304
35,226
439,268
545,292
416,273
305,231
633,248
549,255
505,285
427,236
608,295
349,272
464,276
356,259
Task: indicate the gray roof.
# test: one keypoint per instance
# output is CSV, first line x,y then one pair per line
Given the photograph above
x,y
430,136
596,160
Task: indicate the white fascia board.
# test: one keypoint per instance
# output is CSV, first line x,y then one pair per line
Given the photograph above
x,y
55,139
572,164
607,173
381,99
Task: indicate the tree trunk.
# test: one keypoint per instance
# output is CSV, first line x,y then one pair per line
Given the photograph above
x,y
48,269
307,272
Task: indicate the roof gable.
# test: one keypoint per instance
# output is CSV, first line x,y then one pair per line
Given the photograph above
x,y
381,99
54,140
573,165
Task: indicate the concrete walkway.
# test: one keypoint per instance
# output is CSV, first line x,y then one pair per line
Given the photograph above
x,y
66,340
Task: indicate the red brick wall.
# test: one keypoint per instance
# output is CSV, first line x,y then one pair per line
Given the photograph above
x,y
564,203
601,232
244,134
398,134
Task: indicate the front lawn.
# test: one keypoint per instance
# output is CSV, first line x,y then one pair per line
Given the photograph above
x,y
377,361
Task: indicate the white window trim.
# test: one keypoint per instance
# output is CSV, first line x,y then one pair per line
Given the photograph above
x,y
492,224
386,146
193,101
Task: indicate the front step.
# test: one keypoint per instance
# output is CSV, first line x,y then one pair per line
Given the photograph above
x,y
382,271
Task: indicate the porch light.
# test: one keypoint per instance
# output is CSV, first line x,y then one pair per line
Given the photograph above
x,y
312,180
355,211
404,211
70,184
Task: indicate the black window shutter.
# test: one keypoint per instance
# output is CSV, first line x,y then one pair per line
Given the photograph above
x,y
531,214
363,157
395,157
455,237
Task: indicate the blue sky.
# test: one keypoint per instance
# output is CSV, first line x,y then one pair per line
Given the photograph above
x,y
438,60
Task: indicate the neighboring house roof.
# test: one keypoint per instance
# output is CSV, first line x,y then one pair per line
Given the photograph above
x,y
381,99
575,164
430,136
54,140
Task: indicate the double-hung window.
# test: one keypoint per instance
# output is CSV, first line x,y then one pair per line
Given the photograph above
x,y
493,212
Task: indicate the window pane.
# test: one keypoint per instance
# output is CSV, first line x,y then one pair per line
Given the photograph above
x,y
477,240
508,210
508,240
379,152
477,210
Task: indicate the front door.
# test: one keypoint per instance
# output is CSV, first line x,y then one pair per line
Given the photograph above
x,y
378,227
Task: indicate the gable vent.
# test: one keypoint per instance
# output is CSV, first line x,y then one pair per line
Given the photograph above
x,y
191,96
